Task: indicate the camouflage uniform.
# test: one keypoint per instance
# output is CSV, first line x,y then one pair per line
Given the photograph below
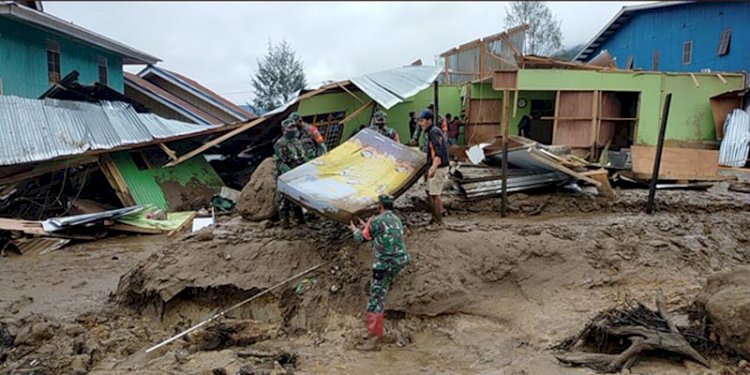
x,y
312,142
289,153
382,129
386,232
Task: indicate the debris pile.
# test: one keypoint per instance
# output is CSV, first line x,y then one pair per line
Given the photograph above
x,y
531,165
615,339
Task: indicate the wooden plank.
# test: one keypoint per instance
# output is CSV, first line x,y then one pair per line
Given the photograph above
x,y
553,164
602,176
720,109
168,151
113,175
134,229
594,123
578,118
356,112
502,80
483,119
515,103
183,225
557,113
349,92
25,226
47,167
695,80
721,78
647,176
676,163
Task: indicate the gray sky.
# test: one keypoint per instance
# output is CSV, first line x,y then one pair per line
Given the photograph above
x,y
218,43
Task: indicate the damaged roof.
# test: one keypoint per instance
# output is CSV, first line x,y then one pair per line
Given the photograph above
x,y
391,87
198,90
37,130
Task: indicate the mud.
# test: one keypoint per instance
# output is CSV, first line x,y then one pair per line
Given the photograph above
x,y
257,199
483,295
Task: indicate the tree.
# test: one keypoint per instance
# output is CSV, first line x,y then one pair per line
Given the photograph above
x,y
543,36
280,74
569,53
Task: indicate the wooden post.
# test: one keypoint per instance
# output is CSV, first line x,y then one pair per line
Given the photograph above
x,y
594,128
435,114
515,102
115,179
168,151
506,132
657,157
557,114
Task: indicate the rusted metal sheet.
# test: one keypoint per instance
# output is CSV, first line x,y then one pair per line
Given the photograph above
x,y
345,183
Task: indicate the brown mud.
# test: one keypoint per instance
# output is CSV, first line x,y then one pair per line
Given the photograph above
x,y
484,295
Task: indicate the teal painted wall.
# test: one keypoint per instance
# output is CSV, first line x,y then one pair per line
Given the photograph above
x,y
690,119
23,60
398,115
144,184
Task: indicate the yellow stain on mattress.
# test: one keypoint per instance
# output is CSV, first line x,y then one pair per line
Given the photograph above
x,y
366,171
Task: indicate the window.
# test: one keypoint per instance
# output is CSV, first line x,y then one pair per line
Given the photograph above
x,y
102,64
629,64
655,61
1,86
53,61
687,52
726,38
328,125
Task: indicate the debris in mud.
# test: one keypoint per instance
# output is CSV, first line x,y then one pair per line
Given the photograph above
x,y
615,339
230,333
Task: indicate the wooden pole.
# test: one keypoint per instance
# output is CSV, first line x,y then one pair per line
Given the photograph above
x,y
505,120
657,157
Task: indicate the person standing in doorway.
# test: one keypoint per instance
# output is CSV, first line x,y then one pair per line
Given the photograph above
x,y
453,130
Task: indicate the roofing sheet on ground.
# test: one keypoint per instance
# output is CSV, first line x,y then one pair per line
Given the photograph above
x,y
346,182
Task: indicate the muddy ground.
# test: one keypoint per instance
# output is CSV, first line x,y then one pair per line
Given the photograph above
x,y
484,295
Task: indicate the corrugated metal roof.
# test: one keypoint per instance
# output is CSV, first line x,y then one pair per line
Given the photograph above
x,y
36,130
391,87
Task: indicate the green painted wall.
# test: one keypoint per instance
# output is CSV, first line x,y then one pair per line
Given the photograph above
x,y
23,60
398,115
144,186
690,119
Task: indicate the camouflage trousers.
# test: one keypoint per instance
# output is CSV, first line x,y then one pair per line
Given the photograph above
x,y
382,276
284,206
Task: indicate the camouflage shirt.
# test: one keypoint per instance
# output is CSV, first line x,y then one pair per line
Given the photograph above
x,y
385,131
289,153
308,136
387,235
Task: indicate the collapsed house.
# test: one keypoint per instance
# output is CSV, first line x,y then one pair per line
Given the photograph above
x,y
107,152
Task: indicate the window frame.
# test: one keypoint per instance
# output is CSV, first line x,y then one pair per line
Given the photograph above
x,y
102,67
53,62
725,41
687,51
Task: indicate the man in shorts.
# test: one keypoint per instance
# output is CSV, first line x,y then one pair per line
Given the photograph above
x,y
437,160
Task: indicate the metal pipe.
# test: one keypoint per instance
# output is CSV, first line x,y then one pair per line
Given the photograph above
x,y
657,157
435,113
204,322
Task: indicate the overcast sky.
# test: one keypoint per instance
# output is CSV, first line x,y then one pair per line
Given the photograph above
x,y
218,43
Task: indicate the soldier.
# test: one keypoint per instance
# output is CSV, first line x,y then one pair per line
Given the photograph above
x,y
388,248
289,153
378,125
312,141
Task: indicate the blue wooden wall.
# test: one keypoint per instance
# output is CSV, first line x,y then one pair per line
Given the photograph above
x,y
23,60
666,29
